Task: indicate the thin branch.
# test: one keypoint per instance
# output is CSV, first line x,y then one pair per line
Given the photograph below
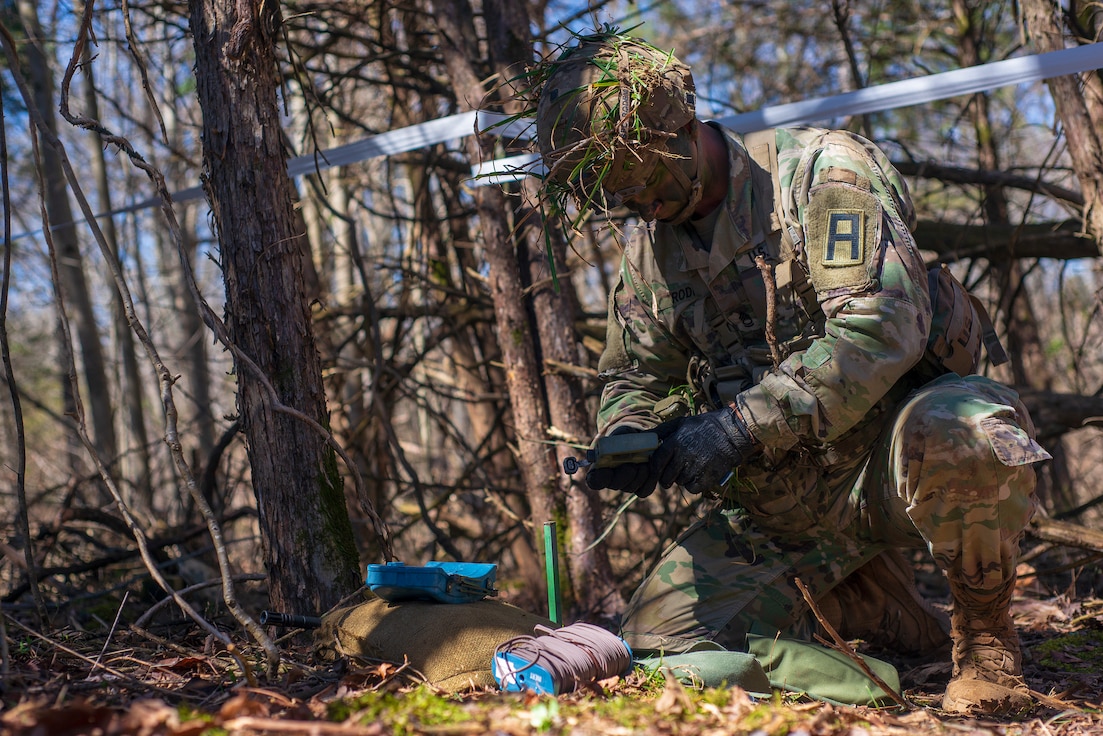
x,y
141,622
841,12
111,631
842,646
20,468
770,285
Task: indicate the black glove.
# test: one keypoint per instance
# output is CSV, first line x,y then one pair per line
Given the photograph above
x,y
628,477
699,451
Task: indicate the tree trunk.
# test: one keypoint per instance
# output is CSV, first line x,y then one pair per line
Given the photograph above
x,y
307,538
539,400
1083,124
555,312
516,334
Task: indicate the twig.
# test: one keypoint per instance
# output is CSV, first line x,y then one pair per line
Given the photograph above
x,y
282,725
613,522
112,557
5,655
20,466
841,645
167,643
770,284
111,632
1056,703
141,622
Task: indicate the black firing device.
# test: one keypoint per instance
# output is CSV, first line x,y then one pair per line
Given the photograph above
x,y
617,449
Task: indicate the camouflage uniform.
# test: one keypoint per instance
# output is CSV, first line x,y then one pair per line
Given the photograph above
x,y
861,450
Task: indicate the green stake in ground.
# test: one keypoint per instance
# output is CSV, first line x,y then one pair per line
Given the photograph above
x,y
551,559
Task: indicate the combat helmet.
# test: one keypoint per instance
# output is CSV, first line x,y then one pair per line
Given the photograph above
x,y
606,113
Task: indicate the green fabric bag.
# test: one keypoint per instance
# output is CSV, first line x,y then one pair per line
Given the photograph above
x,y
709,665
773,663
822,673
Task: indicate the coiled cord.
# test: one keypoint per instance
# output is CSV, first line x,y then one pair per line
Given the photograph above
x,y
574,655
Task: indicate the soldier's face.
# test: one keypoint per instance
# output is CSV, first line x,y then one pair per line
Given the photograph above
x,y
663,195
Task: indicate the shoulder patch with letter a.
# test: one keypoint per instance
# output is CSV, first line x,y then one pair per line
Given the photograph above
x,y
842,223
845,244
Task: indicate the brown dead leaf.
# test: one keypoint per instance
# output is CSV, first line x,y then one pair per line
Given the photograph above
x,y
1037,614
674,699
384,670
180,664
23,713
270,695
925,673
77,718
1027,582
242,705
740,703
294,674
608,683
150,717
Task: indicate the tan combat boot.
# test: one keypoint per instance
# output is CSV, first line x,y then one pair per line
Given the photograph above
x,y
879,604
988,674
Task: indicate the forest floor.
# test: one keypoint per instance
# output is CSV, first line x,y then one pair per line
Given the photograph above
x,y
177,683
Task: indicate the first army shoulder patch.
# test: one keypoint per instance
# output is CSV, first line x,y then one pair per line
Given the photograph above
x,y
842,224
845,244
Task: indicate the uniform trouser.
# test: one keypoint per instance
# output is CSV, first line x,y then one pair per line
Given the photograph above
x,y
951,470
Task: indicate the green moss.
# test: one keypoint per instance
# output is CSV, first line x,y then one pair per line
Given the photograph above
x,y
627,713
1079,652
341,555
187,713
405,713
770,719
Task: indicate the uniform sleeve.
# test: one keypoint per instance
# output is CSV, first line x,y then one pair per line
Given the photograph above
x,y
643,362
871,285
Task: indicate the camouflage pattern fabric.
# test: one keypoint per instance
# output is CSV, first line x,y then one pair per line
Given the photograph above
x,y
951,471
832,486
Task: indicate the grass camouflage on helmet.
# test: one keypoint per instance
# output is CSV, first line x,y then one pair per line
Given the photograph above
x,y
606,109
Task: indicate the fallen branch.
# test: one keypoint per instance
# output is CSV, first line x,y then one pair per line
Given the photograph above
x,y
1065,533
841,645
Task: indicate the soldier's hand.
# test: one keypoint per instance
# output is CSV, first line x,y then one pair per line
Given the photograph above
x,y
698,452
627,477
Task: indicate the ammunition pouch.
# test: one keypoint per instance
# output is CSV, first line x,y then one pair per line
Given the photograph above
x,y
960,326
674,406
718,386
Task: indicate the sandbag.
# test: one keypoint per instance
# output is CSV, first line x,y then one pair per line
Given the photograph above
x,y
774,663
709,665
450,644
824,674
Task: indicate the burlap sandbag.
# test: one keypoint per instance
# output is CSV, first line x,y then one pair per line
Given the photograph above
x,y
451,644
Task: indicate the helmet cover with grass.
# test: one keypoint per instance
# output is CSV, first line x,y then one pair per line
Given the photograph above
x,y
606,115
